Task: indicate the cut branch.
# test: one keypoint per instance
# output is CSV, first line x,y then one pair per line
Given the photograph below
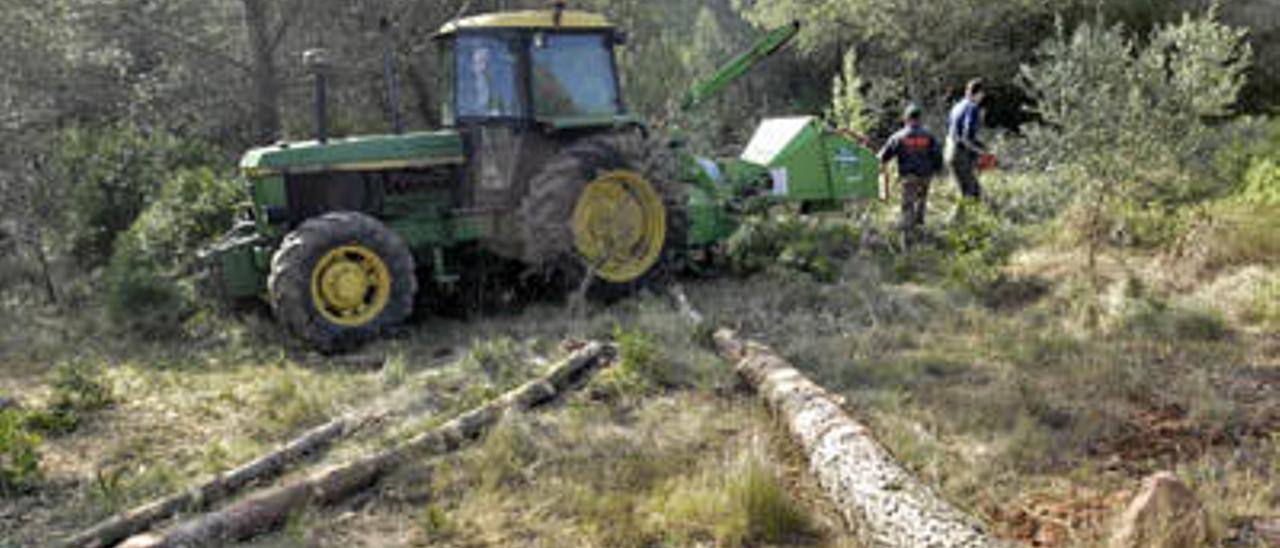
x,y
204,496
263,512
875,495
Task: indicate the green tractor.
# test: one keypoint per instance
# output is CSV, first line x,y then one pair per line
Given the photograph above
x,y
539,163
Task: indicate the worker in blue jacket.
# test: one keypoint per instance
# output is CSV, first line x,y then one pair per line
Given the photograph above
x,y
963,147
919,157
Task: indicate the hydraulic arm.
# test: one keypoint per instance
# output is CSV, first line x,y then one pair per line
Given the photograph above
x,y
739,66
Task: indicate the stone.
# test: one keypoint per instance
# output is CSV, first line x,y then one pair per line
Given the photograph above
x,y
1268,531
1164,514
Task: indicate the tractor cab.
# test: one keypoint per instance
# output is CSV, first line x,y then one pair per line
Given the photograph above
x,y
549,68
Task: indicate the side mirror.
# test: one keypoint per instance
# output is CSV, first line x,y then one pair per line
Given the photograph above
x,y
619,38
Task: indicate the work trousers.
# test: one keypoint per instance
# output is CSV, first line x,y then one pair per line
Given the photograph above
x,y
915,197
964,168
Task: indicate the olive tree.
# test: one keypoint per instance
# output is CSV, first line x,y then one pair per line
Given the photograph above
x,y
1130,120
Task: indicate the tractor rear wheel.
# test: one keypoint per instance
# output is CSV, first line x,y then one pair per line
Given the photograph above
x,y
607,208
340,279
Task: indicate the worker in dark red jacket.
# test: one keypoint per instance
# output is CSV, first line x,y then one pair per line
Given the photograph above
x,y
919,156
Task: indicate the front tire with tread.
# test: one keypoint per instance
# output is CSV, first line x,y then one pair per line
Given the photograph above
x,y
293,273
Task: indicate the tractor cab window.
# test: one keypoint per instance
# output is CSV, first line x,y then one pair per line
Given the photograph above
x,y
487,73
573,75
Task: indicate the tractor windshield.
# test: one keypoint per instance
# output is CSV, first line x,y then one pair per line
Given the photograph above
x,y
487,75
573,75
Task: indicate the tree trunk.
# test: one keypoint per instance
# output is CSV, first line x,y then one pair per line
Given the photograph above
x,y
266,467
875,495
266,83
264,511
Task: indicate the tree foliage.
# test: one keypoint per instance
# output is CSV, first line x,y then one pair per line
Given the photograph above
x,y
849,109
1130,120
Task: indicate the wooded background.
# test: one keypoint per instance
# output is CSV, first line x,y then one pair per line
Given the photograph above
x,y
111,106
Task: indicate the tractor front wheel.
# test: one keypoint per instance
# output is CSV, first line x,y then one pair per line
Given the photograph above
x,y
340,279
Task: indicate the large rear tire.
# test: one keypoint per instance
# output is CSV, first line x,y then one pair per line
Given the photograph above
x,y
608,211
340,279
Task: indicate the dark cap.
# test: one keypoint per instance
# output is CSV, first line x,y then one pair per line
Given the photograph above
x,y
912,112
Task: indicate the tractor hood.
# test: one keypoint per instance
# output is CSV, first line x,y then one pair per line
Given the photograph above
x,y
372,152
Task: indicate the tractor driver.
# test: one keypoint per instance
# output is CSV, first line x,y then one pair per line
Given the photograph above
x,y
488,84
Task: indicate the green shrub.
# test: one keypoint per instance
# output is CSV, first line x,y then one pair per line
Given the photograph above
x,y
643,368
105,177
140,297
1262,183
1263,309
499,358
79,388
979,244
144,293
434,523
1028,198
1125,120
19,453
849,109
1230,233
805,244
1137,311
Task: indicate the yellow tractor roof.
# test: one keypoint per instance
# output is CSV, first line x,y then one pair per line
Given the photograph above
x,y
529,19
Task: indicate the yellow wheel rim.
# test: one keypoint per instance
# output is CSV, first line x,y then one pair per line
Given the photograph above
x,y
350,285
620,225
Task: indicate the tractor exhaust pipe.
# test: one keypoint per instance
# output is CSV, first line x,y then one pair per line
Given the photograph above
x,y
316,62
389,74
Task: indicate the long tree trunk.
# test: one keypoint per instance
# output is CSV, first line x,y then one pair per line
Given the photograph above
x,y
120,526
266,81
877,496
266,510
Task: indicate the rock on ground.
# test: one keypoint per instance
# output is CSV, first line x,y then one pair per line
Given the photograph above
x,y
1164,514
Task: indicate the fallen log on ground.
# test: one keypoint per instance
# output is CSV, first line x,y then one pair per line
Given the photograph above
x,y
887,505
262,512
136,520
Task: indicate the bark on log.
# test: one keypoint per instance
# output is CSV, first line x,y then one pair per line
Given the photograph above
x,y
262,512
198,498
878,497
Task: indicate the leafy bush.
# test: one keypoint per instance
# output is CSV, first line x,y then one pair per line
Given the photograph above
x,y
805,244
143,289
110,175
1136,310
19,453
640,370
500,359
78,388
1262,183
849,108
1028,198
1229,233
979,245
1263,309
1126,120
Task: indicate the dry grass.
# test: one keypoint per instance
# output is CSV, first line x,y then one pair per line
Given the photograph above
x,y
1024,411
1037,403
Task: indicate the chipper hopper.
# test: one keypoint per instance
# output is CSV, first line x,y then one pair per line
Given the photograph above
x,y
538,164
